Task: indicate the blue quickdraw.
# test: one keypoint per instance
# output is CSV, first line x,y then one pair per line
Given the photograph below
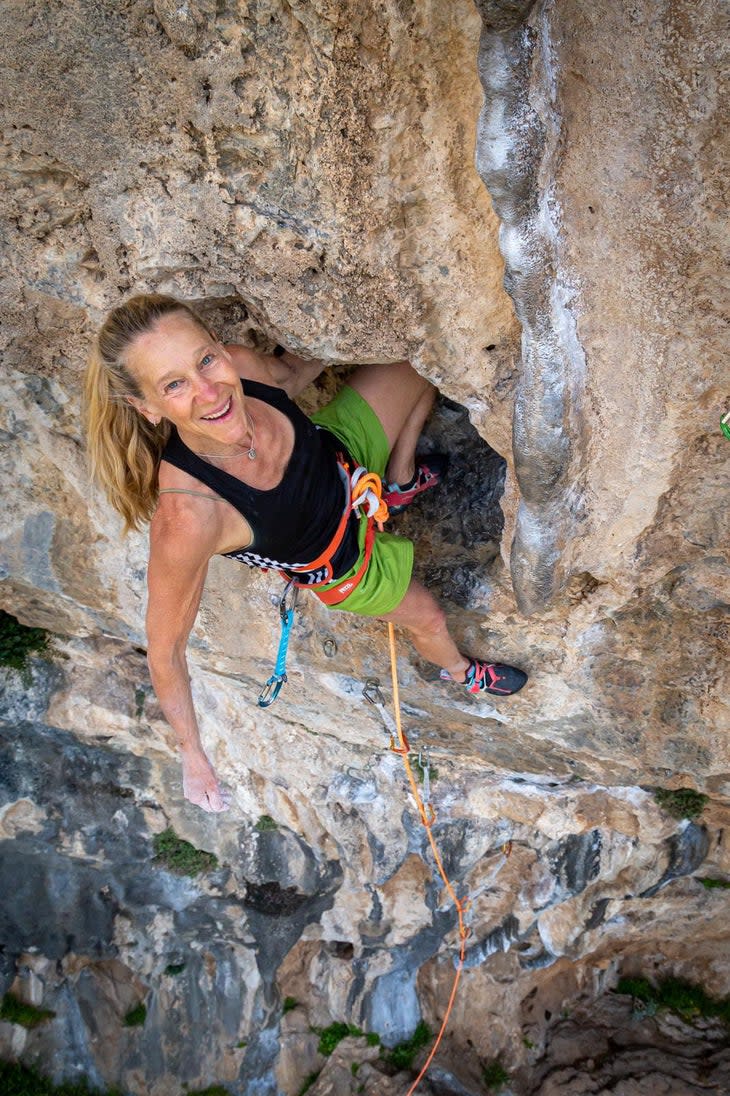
x,y
272,688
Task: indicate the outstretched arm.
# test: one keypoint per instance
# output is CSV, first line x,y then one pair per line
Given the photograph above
x,y
293,373
176,577
287,370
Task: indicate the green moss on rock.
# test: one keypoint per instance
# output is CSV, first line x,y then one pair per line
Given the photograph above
x,y
18,1080
401,1056
16,1011
330,1036
680,802
179,856
688,1001
494,1076
17,642
136,1016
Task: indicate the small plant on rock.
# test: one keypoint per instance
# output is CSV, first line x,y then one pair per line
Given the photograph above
x,y
401,1056
330,1036
179,856
18,643
18,1080
680,802
136,1016
494,1076
16,1011
688,1001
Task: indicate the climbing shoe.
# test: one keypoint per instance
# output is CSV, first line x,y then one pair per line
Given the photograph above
x,y
430,470
490,677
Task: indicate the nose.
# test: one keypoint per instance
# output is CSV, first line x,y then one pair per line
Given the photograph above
x,y
204,389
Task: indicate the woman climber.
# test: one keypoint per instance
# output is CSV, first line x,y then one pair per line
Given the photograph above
x,y
204,442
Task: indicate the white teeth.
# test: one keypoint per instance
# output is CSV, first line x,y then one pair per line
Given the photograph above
x,y
212,418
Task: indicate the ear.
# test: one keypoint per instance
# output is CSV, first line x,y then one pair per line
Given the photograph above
x,y
140,408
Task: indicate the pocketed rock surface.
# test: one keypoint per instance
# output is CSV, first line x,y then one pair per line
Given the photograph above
x,y
526,200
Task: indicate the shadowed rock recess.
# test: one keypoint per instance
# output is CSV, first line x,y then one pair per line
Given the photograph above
x,y
527,201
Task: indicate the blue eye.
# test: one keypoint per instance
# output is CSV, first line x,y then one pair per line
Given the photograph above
x,y
208,359
172,386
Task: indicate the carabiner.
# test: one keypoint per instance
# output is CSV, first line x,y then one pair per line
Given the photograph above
x,y
271,690
284,609
371,692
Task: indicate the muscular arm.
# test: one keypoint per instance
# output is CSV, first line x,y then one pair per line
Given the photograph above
x,y
176,576
289,371
293,373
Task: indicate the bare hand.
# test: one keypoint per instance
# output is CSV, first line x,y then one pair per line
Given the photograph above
x,y
200,784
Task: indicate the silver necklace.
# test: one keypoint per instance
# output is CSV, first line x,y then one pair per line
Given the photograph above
x,y
250,452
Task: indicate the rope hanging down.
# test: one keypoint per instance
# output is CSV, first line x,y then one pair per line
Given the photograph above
x,y
427,818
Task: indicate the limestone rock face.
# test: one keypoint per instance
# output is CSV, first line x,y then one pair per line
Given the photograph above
x,y
526,200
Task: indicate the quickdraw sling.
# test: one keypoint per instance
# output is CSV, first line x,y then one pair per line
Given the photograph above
x,y
363,495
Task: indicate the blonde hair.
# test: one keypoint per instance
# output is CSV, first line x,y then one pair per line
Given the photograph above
x,y
125,449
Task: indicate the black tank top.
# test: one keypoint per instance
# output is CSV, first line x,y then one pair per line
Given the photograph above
x,y
294,522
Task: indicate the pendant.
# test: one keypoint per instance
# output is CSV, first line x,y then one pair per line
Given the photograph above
x,y
251,454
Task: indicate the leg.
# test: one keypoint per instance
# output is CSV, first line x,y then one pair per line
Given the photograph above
x,y
424,619
402,400
394,392
422,616
402,463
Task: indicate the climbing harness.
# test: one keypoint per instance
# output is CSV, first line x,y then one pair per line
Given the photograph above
x,y
363,494
287,605
725,424
428,816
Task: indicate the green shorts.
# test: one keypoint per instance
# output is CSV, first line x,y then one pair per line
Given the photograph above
x,y
381,589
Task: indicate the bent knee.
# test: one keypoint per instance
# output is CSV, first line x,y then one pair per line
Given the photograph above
x,y
431,620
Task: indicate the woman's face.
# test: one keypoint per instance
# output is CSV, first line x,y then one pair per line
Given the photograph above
x,y
187,377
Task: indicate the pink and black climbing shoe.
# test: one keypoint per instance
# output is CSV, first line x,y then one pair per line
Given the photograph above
x,y
491,677
430,470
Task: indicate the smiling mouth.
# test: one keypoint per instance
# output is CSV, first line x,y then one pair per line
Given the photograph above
x,y
218,414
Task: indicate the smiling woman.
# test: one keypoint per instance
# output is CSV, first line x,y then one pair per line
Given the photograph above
x,y
205,442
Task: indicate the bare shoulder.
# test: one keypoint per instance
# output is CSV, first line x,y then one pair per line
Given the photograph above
x,y
185,532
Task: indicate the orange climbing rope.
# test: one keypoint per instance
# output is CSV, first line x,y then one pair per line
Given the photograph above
x,y
427,818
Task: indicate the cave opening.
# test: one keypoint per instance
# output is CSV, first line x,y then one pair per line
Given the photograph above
x,y
458,527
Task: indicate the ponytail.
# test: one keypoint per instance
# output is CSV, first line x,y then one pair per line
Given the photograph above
x,y
125,449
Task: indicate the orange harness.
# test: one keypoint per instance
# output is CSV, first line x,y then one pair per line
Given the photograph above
x,y
364,492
